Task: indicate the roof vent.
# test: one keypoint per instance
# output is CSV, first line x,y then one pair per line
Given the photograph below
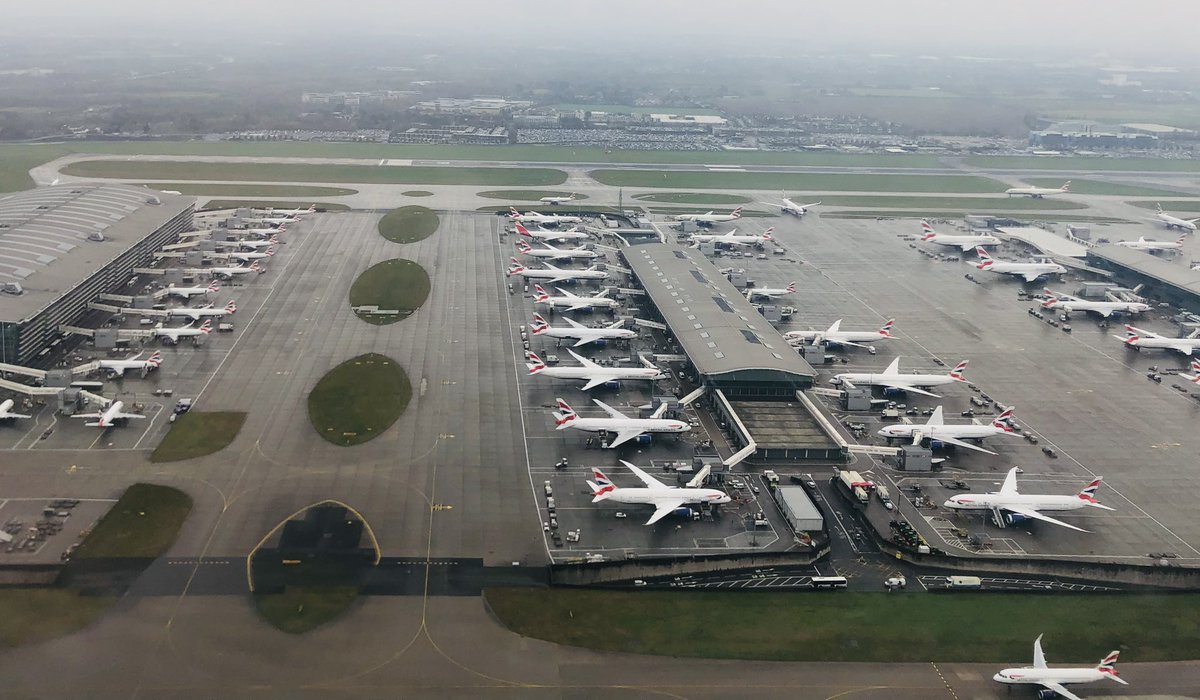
x,y
96,236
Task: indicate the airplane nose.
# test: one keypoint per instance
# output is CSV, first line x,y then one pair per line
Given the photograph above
x,y
999,678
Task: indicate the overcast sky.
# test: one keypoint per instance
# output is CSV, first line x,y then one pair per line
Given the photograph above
x,y
1162,29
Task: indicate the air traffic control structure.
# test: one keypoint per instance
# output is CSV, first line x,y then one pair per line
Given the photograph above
x,y
753,380
62,247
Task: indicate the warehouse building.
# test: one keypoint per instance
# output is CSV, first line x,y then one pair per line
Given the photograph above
x,y
63,246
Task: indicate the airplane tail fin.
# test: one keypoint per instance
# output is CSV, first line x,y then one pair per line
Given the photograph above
x,y
1003,421
985,260
231,307
534,363
1108,666
1181,239
602,486
737,213
521,230
515,268
254,266
156,359
541,293
927,231
958,371
1088,493
270,252
564,415
514,214
206,327
538,325
791,288
523,247
886,330
1066,186
213,288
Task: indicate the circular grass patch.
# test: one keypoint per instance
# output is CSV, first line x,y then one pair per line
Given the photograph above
x,y
692,198
359,399
417,193
408,224
390,291
526,195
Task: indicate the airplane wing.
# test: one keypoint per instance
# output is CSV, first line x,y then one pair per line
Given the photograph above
x,y
962,443
593,382
579,307
612,412
86,415
1009,487
1062,691
1039,657
936,417
624,436
129,415
907,387
1031,513
1031,276
663,509
847,342
648,480
1185,349
582,341
573,323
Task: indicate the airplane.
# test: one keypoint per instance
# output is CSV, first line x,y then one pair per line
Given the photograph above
x,y
172,335
1055,680
666,499
6,412
244,256
555,253
118,367
233,271
835,336
295,213
1138,338
592,372
966,243
279,221
532,217
268,231
255,245
554,274
579,332
1143,244
1029,270
1069,304
1193,378
1038,192
732,238
769,292
544,235
711,218
1028,506
203,311
558,200
109,416
1175,221
572,302
790,207
189,292
936,430
626,428
891,378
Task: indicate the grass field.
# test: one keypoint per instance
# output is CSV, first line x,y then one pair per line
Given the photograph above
x,y
1099,187
215,190
393,285
958,214
1161,165
357,400
845,182
417,193
17,159
302,608
267,204
142,523
34,615
842,626
1171,205
526,195
692,198
300,172
969,204
408,224
198,433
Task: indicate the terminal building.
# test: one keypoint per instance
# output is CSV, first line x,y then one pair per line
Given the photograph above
x,y
754,380
1164,280
61,247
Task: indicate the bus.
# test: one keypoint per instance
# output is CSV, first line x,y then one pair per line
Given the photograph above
x,y
821,582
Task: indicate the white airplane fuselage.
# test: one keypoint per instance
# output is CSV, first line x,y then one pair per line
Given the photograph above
x,y
611,374
966,431
1175,222
6,411
897,380
535,218
542,234
616,425
1038,502
963,242
836,337
588,334
1143,244
1030,271
561,275
638,495
729,239
1035,192
1104,308
707,218
559,254
120,366
589,302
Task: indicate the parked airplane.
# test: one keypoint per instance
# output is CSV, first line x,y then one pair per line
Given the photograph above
x,y
594,374
666,499
109,416
233,271
711,218
1070,304
572,302
255,245
1055,680
6,412
732,238
1138,338
267,231
770,292
203,312
965,242
891,378
118,367
1028,506
532,217
248,256
936,430
1194,377
623,426
279,221
544,235
555,253
1038,192
189,292
835,336
554,274
1175,221
171,336
1029,270
790,207
558,200
579,332
1143,244
295,213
